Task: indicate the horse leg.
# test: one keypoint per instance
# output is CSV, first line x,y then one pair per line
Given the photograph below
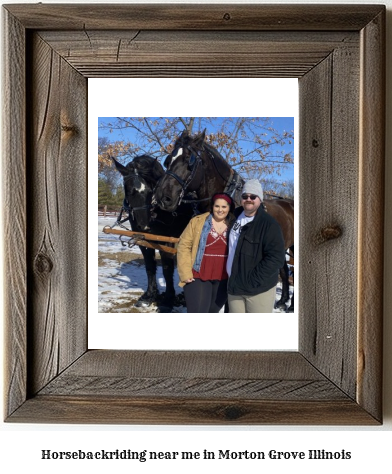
x,y
290,309
284,275
167,303
152,292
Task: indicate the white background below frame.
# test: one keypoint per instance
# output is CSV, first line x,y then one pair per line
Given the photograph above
x,y
228,97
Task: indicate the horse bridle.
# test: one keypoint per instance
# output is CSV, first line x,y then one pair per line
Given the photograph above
x,y
126,206
194,162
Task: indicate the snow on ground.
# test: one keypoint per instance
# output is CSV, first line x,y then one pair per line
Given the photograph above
x,y
122,278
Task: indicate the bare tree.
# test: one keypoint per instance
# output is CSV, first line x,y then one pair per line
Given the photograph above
x,y
250,144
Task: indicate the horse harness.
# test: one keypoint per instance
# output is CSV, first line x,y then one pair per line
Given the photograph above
x,y
232,185
194,162
126,206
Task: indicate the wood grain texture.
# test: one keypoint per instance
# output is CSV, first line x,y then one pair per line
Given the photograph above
x,y
335,378
188,387
208,364
57,213
14,199
328,267
193,53
192,17
155,411
208,375
371,215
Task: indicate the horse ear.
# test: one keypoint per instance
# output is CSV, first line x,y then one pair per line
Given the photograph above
x,y
121,168
200,137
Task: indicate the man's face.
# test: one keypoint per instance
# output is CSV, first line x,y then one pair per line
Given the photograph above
x,y
250,203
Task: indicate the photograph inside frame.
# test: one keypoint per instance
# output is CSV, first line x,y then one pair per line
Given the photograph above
x,y
195,214
322,356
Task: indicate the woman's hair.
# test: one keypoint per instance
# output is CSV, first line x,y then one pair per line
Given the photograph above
x,y
229,200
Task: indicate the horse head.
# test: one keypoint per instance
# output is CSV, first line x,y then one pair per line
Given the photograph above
x,y
184,171
139,177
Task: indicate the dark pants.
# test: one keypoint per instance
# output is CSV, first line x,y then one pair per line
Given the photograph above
x,y
205,296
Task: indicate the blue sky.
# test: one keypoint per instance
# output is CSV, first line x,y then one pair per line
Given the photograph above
x,y
278,123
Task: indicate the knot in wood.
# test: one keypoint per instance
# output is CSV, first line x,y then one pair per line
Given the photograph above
x,y
43,264
227,16
315,143
330,232
68,128
232,413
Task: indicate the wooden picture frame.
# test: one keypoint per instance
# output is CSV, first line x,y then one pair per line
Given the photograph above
x,y
338,54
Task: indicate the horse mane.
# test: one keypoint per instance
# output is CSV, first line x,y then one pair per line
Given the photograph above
x,y
148,168
201,142
215,153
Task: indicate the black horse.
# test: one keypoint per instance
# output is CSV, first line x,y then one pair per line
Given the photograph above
x,y
140,177
197,167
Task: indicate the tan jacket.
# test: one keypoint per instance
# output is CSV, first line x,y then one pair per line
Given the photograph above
x,y
187,247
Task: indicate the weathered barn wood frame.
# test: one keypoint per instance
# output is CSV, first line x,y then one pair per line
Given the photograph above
x,y
338,54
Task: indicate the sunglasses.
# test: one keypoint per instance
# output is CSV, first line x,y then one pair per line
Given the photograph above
x,y
250,196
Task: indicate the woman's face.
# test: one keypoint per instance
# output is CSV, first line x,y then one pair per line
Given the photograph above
x,y
220,209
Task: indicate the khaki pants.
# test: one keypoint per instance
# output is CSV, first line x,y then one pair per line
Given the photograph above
x,y
261,303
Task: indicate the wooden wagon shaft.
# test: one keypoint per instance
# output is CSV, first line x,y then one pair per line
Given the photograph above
x,y
143,239
156,246
141,235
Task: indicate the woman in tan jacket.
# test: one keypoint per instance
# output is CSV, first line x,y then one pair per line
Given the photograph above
x,y
202,256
